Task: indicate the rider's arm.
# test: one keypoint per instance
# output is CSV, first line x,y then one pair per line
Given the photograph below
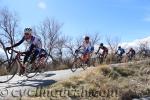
x,y
20,42
31,48
98,50
77,50
79,47
116,52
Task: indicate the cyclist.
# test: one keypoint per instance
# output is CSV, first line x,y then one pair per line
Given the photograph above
x,y
35,47
120,51
87,49
131,53
105,50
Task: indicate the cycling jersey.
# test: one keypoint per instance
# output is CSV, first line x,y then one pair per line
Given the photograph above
x,y
87,47
34,48
33,41
120,51
131,52
105,50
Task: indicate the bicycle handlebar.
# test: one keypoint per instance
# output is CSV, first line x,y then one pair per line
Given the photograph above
x,y
16,52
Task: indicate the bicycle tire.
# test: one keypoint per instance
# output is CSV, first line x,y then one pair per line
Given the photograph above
x,y
9,71
74,67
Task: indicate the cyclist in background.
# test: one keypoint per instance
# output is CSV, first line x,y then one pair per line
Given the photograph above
x,y
120,51
105,50
131,53
87,49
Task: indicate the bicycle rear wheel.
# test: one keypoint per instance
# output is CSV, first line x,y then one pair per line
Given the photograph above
x,y
7,70
30,71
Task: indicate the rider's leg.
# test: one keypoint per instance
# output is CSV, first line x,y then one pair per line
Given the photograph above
x,y
121,55
106,54
42,58
84,57
35,53
88,54
27,55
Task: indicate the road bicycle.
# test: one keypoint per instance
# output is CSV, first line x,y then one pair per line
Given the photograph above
x,y
10,67
99,58
78,61
130,57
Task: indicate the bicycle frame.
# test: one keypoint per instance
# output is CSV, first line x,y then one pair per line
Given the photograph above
x,y
17,58
78,61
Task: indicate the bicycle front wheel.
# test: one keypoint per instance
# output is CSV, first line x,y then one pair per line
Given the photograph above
x,y
7,70
74,67
76,64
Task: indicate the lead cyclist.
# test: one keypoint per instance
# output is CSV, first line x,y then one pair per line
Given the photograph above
x,y
35,47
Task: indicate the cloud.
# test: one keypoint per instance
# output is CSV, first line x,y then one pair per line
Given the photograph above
x,y
42,5
136,43
147,19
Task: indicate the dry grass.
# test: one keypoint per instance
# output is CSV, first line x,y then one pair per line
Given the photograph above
x,y
3,71
105,83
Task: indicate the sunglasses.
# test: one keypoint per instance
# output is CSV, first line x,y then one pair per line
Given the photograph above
x,y
26,33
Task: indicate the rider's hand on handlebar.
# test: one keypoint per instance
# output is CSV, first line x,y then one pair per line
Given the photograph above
x,y
76,51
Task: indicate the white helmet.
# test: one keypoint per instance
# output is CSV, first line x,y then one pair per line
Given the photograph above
x,y
28,30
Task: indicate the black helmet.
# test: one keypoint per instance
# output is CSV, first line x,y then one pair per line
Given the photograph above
x,y
101,44
87,38
119,47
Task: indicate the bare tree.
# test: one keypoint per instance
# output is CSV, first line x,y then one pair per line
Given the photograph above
x,y
144,50
8,27
50,33
61,43
143,45
70,45
112,43
95,38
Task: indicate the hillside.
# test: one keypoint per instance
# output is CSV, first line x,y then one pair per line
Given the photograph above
x,y
106,82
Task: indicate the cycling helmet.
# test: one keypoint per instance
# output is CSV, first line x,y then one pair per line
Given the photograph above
x,y
87,38
131,48
101,44
28,30
119,47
